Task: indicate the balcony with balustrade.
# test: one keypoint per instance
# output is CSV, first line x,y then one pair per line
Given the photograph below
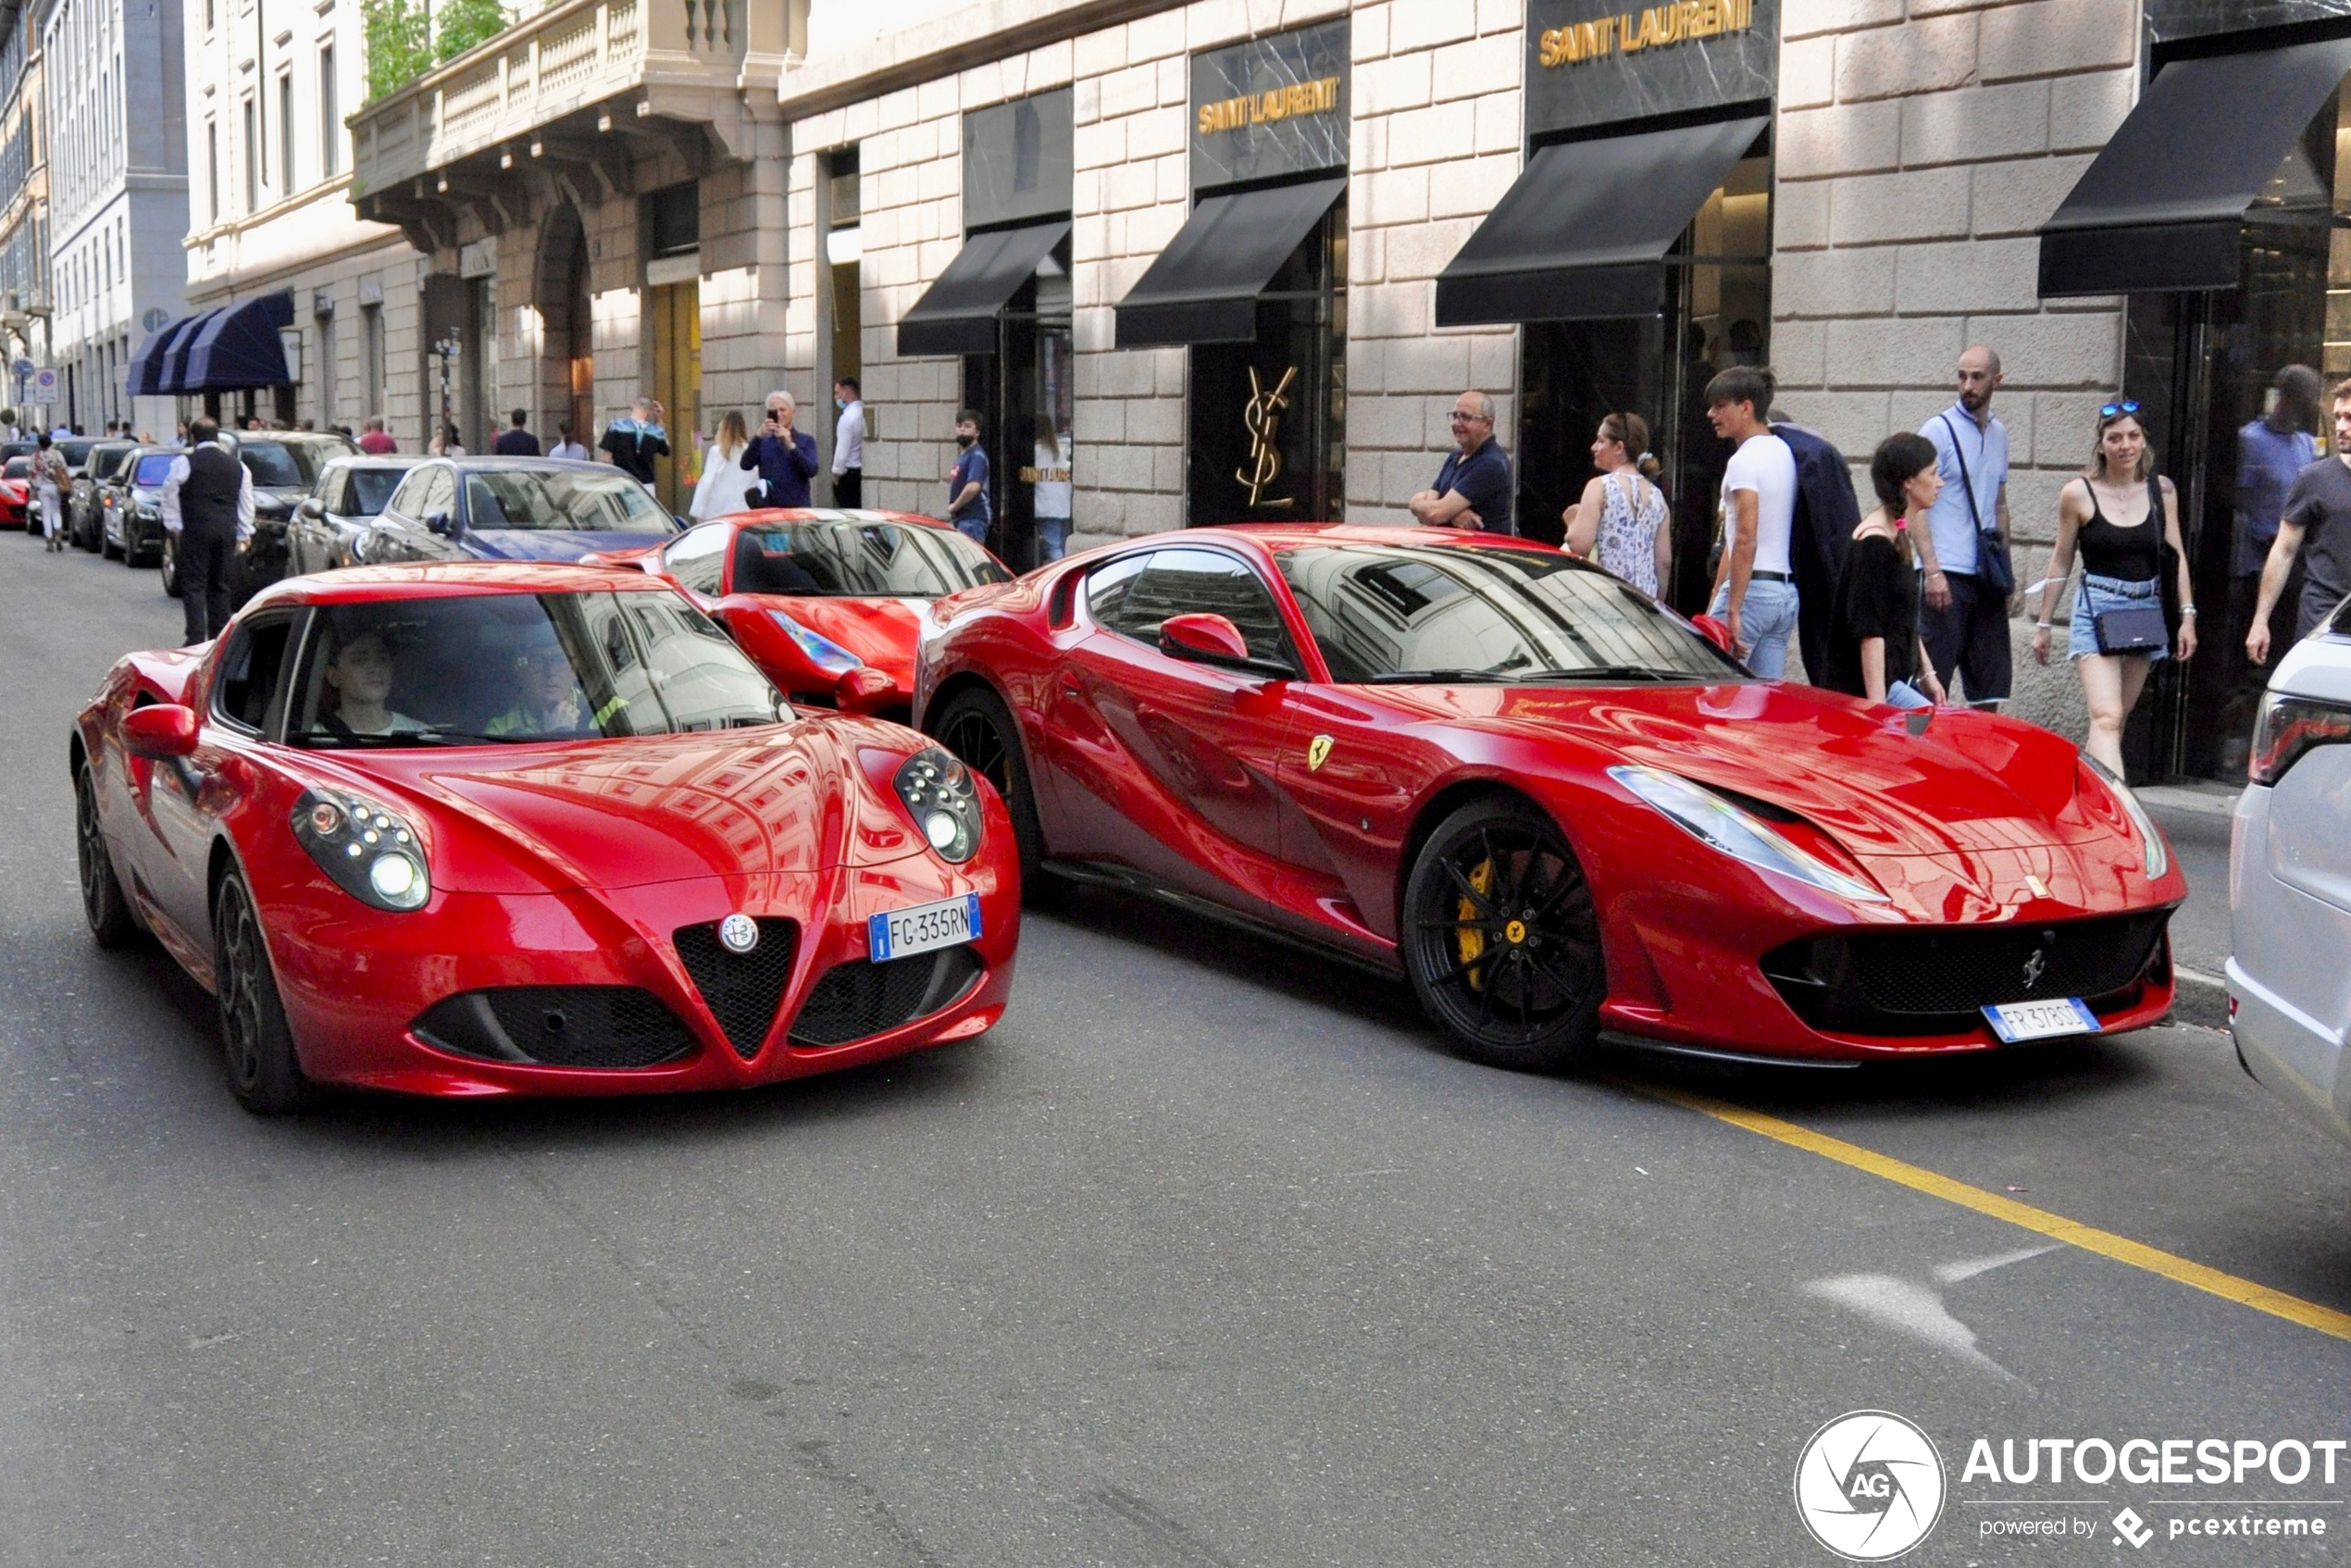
x,y
577,93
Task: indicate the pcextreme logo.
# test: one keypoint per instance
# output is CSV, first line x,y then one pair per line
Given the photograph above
x,y
1870,1486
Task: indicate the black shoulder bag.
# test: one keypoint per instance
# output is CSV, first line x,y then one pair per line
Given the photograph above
x,y
1991,550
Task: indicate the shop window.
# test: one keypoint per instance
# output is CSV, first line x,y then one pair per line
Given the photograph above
x,y
673,218
1713,312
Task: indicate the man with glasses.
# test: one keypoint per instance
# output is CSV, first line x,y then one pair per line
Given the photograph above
x,y
1474,487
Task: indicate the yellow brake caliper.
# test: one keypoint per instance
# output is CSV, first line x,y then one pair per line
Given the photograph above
x,y
1471,937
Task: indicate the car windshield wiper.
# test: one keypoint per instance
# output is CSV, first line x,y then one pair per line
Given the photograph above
x,y
1439,676
1595,672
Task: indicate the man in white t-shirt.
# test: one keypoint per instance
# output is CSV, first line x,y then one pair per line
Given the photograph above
x,y
1754,589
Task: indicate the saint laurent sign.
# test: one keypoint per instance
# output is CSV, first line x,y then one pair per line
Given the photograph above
x,y
1629,33
1270,107
1592,63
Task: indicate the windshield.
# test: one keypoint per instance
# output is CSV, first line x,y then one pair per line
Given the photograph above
x,y
281,465
75,453
18,468
370,487
153,468
510,668
527,498
854,560
1394,614
106,460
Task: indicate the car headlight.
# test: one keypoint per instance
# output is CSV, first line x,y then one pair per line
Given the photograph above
x,y
2288,727
2155,854
822,651
370,850
1739,834
940,795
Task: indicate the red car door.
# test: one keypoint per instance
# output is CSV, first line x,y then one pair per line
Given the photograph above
x,y
1164,764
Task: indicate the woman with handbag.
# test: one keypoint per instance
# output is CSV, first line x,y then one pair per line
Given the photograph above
x,y
2121,517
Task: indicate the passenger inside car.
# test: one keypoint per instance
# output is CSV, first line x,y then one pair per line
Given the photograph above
x,y
551,701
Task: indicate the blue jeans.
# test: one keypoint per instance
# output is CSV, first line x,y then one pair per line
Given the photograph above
x,y
973,527
1052,539
1767,619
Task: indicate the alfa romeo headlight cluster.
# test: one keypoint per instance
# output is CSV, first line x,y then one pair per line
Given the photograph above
x,y
943,799
1739,834
368,849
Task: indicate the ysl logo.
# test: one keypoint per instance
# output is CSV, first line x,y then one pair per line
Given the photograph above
x,y
1263,419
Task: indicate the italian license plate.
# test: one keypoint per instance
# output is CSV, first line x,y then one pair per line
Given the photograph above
x,y
2016,1022
900,933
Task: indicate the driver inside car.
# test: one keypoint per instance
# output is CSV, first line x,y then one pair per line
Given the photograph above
x,y
360,675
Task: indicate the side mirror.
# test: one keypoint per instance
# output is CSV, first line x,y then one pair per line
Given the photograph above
x,y
1714,631
1200,639
864,690
160,731
441,523
312,508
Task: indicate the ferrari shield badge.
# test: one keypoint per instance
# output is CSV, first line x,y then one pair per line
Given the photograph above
x,y
1317,750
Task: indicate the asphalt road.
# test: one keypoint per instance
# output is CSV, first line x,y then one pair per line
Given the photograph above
x,y
1208,1255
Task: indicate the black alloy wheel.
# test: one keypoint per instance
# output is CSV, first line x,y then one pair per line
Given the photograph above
x,y
977,729
103,904
256,1046
168,557
1501,938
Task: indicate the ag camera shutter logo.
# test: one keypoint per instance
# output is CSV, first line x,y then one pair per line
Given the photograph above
x,y
1870,1486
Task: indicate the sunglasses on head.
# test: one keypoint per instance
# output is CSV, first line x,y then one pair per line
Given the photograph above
x,y
2109,410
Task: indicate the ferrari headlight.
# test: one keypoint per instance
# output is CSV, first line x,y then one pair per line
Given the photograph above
x,y
942,798
1739,834
821,651
370,850
2154,853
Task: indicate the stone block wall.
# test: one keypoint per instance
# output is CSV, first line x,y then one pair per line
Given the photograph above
x,y
1920,144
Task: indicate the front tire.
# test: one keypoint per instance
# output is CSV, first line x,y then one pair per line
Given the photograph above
x,y
1502,939
979,730
102,904
256,1045
168,557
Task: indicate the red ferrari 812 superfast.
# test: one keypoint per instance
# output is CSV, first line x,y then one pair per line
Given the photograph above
x,y
1555,806
482,829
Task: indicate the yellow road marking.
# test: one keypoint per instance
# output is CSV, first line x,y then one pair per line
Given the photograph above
x,y
2122,1248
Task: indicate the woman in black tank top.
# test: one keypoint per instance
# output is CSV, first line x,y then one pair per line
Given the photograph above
x,y
2120,564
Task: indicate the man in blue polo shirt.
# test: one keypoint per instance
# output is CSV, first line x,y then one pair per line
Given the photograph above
x,y
1474,487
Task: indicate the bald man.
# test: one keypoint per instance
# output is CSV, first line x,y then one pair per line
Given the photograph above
x,y
1472,488
1964,617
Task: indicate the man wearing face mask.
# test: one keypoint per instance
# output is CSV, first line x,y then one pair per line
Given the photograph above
x,y
849,444
967,506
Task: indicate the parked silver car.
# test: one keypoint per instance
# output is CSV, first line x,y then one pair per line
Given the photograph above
x,y
2290,884
330,527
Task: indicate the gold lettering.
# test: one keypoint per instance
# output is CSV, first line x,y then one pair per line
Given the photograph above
x,y
1680,22
1315,97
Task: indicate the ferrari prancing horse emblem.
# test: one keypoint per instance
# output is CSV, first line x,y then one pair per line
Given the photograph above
x,y
1317,750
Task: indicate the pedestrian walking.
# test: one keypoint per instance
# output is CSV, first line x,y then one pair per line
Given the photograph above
x,y
1620,520
446,443
567,447
207,501
2316,530
1755,596
636,439
2121,517
725,485
50,480
967,505
783,457
1874,650
2271,452
516,440
1474,485
849,443
1964,546
1051,496
375,442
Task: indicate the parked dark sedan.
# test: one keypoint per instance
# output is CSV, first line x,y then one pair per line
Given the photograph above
x,y
332,527
130,505
85,524
285,466
515,509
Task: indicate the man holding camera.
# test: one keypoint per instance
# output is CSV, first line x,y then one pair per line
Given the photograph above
x,y
784,458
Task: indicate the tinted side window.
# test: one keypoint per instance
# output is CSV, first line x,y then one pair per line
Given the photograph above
x,y
250,672
1179,582
407,500
440,494
697,559
1106,594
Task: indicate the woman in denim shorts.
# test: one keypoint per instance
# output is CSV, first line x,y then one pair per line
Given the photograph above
x,y
2119,515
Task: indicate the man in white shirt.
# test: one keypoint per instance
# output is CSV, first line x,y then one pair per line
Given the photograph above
x,y
849,443
1754,588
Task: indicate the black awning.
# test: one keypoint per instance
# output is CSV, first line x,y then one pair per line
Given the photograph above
x,y
2163,207
143,376
239,348
1583,233
171,359
1204,286
957,314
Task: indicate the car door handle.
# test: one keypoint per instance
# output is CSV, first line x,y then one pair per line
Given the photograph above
x,y
1071,687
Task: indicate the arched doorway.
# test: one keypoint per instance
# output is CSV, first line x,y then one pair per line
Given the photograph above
x,y
567,374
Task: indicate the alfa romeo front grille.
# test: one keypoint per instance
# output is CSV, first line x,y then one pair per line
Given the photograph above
x,y
615,1027
861,997
741,989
